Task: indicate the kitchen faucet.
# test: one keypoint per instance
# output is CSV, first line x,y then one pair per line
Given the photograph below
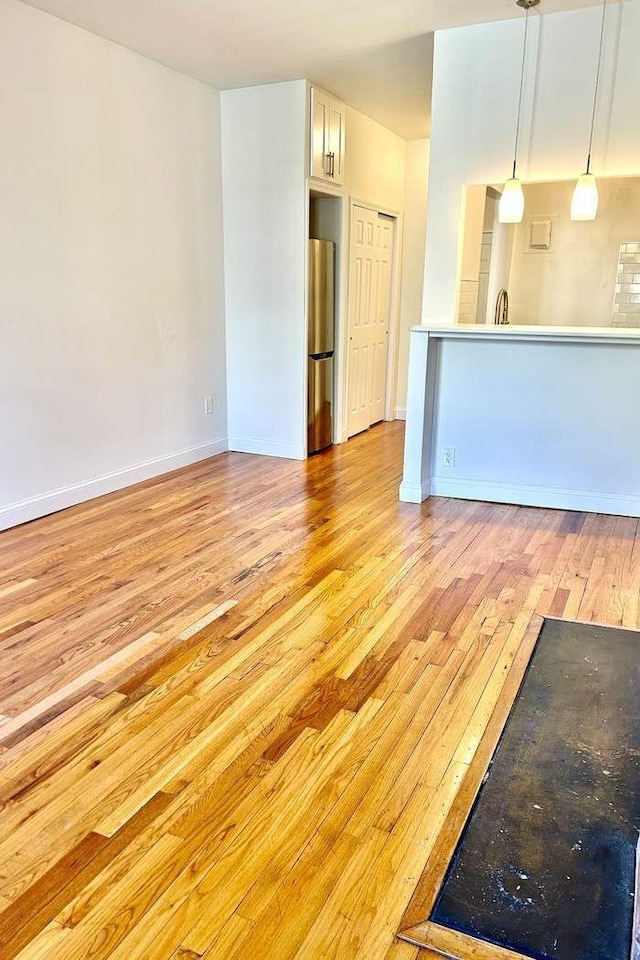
x,y
502,308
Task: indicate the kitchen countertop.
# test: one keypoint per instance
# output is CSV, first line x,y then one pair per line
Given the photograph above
x,y
512,332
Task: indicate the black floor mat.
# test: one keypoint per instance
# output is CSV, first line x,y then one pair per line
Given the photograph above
x,y
546,863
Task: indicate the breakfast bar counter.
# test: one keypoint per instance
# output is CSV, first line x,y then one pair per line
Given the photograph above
x,y
535,415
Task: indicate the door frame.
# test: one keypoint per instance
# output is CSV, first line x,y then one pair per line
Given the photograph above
x,y
342,332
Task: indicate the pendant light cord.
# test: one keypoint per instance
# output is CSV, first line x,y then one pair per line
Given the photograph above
x,y
524,58
595,95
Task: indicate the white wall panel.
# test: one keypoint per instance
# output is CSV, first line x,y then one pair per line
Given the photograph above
x,y
111,282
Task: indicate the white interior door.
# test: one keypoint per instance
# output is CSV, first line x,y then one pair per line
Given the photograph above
x,y
370,260
381,307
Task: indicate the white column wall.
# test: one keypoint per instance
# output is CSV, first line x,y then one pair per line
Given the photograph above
x,y
415,225
265,249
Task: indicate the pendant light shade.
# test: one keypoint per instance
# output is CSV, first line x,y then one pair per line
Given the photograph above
x,y
584,205
511,208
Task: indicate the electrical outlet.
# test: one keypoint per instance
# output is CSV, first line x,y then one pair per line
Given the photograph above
x,y
449,458
208,404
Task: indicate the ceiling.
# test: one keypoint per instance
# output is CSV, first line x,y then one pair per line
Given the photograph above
x,y
374,54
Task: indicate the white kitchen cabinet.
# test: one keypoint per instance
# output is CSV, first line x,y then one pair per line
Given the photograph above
x,y
328,121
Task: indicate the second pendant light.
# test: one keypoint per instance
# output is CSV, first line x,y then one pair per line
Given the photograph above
x,y
584,205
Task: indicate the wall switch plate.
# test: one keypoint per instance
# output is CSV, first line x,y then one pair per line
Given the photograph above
x,y
449,458
208,404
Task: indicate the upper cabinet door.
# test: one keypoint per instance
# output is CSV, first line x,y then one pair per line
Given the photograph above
x,y
328,123
320,127
337,124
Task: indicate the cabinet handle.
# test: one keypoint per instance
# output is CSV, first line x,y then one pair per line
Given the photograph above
x,y
330,164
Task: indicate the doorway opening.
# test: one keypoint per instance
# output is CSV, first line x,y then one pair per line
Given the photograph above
x,y
326,225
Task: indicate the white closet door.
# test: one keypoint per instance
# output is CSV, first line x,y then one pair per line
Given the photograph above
x,y
369,305
381,307
361,282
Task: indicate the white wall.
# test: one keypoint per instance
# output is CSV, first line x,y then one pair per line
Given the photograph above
x,y
415,226
375,163
111,286
265,230
475,95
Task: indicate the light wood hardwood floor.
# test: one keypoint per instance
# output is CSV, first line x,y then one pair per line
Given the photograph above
x,y
237,702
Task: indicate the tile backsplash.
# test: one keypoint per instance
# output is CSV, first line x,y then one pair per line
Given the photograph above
x,y
626,304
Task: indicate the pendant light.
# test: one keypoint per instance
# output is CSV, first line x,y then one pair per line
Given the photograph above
x,y
511,207
584,205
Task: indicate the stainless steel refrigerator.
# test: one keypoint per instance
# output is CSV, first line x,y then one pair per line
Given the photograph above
x,y
320,349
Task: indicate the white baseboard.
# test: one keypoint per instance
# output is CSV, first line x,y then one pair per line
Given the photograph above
x,y
400,413
590,501
267,448
54,500
413,492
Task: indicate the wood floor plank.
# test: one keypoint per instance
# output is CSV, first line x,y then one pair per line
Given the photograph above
x,y
245,707
450,943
